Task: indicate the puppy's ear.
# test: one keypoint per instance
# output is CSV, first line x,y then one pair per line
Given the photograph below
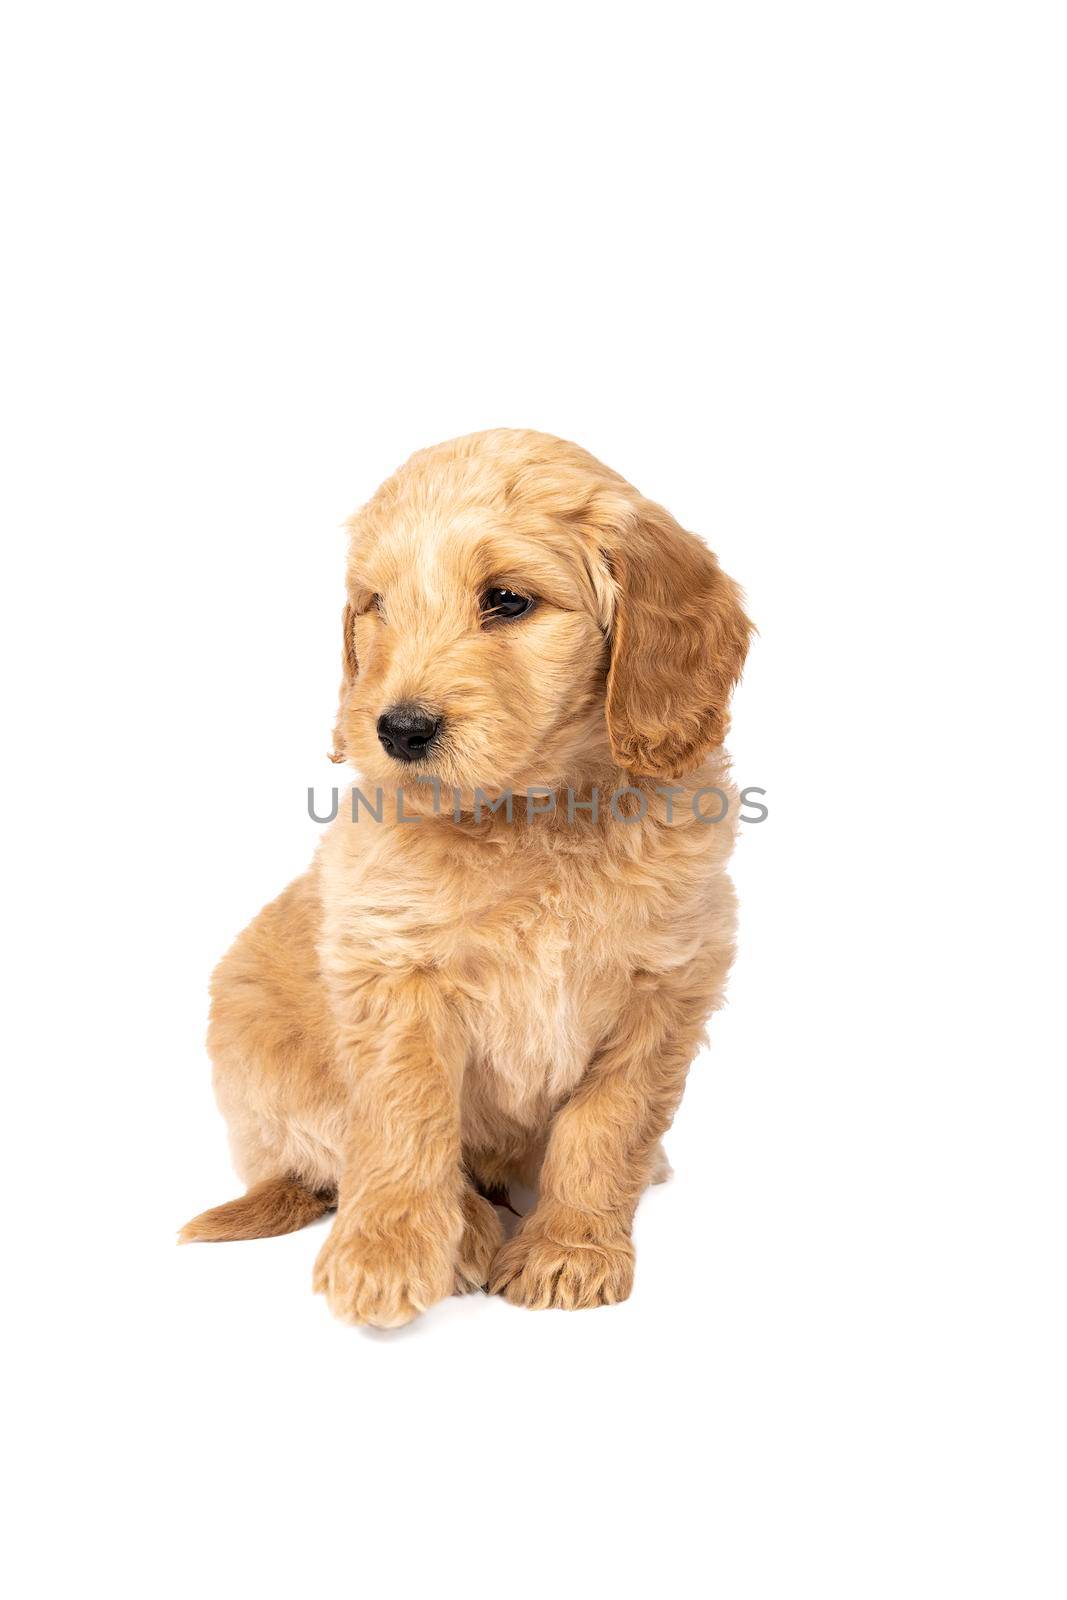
x,y
349,668
679,638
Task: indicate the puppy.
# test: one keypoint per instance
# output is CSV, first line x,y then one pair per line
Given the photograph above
x,y
501,969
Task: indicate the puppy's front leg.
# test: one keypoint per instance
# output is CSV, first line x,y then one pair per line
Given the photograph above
x,y
400,1218
574,1248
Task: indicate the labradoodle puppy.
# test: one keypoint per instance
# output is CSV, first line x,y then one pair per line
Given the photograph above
x,y
500,964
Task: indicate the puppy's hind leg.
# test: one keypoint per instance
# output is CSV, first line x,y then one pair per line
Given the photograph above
x,y
482,1238
270,1042
276,1205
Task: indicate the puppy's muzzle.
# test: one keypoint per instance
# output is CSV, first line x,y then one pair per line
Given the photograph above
x,y
406,733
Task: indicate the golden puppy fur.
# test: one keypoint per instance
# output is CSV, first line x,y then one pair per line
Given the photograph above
x,y
447,1000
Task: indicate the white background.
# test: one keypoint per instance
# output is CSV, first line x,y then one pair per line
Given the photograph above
x,y
798,272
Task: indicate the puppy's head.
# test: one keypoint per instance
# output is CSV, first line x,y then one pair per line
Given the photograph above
x,y
518,615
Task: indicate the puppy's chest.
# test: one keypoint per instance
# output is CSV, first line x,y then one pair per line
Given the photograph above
x,y
544,969
532,1022
537,947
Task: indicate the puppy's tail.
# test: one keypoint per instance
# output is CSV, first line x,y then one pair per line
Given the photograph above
x,y
277,1205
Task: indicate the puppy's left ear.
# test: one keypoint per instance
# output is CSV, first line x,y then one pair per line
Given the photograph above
x,y
349,668
679,638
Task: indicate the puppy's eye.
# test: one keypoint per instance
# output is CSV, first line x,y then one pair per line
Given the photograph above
x,y
504,605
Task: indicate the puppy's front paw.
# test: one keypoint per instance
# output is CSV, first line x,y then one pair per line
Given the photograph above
x,y
549,1263
383,1280
482,1233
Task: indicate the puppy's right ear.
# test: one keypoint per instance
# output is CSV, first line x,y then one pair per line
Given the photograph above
x,y
349,668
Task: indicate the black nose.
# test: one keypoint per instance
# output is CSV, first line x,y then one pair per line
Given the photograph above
x,y
406,733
